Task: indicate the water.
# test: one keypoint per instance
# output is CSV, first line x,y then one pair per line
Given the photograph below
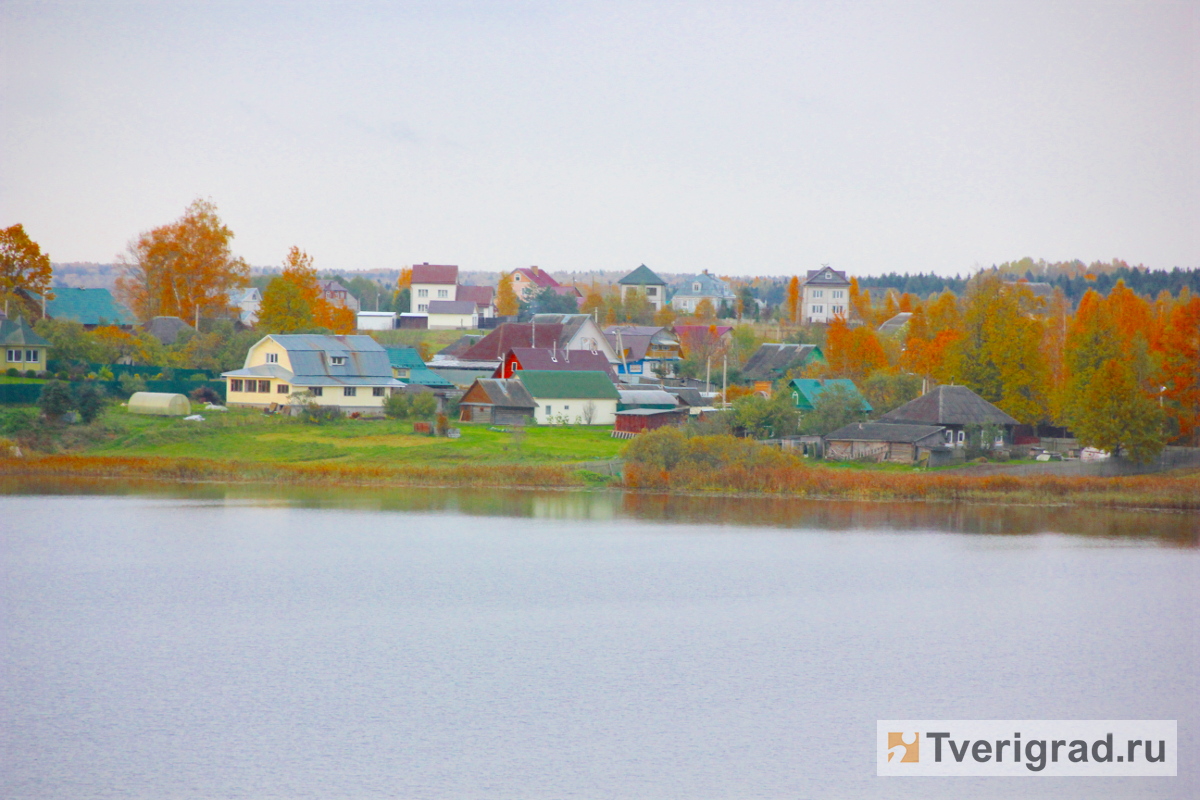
x,y
255,643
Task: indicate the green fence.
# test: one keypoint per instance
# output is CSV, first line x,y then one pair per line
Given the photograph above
x,y
54,365
25,393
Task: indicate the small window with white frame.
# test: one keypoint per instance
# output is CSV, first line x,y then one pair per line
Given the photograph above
x,y
337,361
272,358
422,293
443,292
349,391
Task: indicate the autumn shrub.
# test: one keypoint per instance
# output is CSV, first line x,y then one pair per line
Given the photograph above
x,y
205,394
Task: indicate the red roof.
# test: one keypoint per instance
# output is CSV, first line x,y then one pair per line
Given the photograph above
x,y
701,330
479,295
542,359
539,277
434,273
496,344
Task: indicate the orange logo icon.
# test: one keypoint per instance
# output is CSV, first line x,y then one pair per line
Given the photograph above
x,y
904,747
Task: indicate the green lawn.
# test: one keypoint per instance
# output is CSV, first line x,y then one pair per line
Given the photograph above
x,y
5,379
246,435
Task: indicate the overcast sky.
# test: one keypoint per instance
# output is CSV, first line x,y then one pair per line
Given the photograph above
x,y
743,138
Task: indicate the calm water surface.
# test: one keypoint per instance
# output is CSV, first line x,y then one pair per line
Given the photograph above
x,y
251,643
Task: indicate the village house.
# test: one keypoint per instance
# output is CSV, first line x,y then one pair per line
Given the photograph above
x,y
497,401
447,315
246,303
645,349
529,281
571,398
167,329
806,391
637,420
337,295
352,373
24,349
433,282
521,358
877,441
700,288
825,295
643,280
773,361
694,338
555,331
91,308
953,408
408,368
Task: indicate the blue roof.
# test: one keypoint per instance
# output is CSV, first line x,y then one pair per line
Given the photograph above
x,y
807,390
365,361
408,358
88,307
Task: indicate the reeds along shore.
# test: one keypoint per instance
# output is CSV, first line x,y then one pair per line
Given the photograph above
x,y
783,477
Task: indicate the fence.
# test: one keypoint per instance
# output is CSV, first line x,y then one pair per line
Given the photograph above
x,y
55,365
28,393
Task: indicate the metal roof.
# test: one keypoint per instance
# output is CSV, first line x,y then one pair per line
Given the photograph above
x,y
451,307
642,276
647,397
949,405
568,384
507,392
772,359
88,307
810,389
883,432
18,332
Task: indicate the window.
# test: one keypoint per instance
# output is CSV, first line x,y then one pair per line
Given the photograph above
x,y
828,274
422,293
962,437
817,293
14,355
838,294
235,384
272,358
443,292
377,391
566,408
337,361
349,391
837,309
818,309
422,306
32,356
651,291
281,388
695,288
547,411
317,391
264,386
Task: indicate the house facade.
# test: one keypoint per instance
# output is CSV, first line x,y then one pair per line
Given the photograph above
x,y
352,373
338,295
953,408
702,287
446,315
645,349
23,348
522,358
875,441
571,398
433,282
825,295
497,401
643,280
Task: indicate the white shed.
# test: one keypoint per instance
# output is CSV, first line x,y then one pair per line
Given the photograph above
x,y
163,404
376,320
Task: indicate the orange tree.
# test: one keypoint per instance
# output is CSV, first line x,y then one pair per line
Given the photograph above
x,y
23,265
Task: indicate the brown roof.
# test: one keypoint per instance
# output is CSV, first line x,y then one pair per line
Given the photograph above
x,y
479,295
577,360
506,393
514,334
434,273
772,359
881,432
460,345
948,405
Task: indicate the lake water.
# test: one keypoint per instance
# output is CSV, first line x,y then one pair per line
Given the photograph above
x,y
256,643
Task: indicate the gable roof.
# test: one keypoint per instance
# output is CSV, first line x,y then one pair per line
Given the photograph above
x,y
460,345
451,307
896,323
687,396
710,286
568,384
949,405
538,358
18,332
479,295
408,358
883,432
505,392
434,273
772,359
88,307
538,277
633,398
311,355
826,276
508,335
166,329
642,276
810,389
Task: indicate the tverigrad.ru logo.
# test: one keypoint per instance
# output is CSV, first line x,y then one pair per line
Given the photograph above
x,y
1094,748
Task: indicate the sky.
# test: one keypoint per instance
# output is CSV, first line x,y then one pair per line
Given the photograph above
x,y
744,138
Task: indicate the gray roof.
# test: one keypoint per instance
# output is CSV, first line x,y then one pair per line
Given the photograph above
x,y
949,405
647,397
642,276
506,392
451,307
18,332
166,329
883,432
366,364
896,323
687,396
710,286
649,412
772,359
826,276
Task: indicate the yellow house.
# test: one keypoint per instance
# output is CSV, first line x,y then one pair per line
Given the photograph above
x,y
352,373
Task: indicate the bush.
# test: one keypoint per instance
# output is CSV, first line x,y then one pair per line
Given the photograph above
x,y
90,402
18,419
205,394
30,373
61,375
131,383
13,372
197,377
320,415
424,405
397,406
443,425
56,400
106,374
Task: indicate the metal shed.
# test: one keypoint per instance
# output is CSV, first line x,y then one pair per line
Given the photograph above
x,y
163,404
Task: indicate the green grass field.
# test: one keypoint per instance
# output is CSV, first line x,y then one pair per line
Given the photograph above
x,y
245,435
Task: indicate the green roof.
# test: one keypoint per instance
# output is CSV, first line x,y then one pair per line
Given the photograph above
x,y
807,390
642,276
568,384
18,332
408,358
88,307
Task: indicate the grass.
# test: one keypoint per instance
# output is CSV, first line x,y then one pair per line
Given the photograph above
x,y
5,379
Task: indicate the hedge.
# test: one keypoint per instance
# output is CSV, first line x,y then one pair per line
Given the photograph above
x,y
26,393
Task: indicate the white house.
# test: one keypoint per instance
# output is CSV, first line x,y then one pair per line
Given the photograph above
x,y
352,373
644,280
826,294
700,288
246,302
569,397
433,282
453,315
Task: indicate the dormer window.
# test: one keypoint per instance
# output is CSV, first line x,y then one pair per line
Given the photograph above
x,y
828,274
337,361
696,288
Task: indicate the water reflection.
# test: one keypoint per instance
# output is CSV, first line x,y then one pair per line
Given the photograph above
x,y
1181,529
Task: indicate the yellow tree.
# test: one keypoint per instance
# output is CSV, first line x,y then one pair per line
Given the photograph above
x,y
664,316
23,266
593,301
290,301
507,304
1181,367
704,311
184,269
793,299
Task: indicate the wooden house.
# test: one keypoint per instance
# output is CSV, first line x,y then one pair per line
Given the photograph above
x,y
499,401
953,408
877,441
636,420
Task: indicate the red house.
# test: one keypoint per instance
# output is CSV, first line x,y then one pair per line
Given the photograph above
x,y
519,358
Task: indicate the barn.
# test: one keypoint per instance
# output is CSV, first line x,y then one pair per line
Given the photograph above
x,y
635,420
499,401
878,441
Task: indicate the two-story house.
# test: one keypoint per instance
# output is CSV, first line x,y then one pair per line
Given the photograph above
x,y
644,280
433,282
826,294
352,373
700,288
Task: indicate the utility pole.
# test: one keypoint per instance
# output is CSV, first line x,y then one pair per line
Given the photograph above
x,y
724,378
708,374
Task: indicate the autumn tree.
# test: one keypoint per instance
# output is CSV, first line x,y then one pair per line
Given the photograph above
x,y
184,269
294,302
932,329
999,354
704,311
860,302
664,316
1117,415
593,301
793,300
507,304
23,266
1180,344
852,352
